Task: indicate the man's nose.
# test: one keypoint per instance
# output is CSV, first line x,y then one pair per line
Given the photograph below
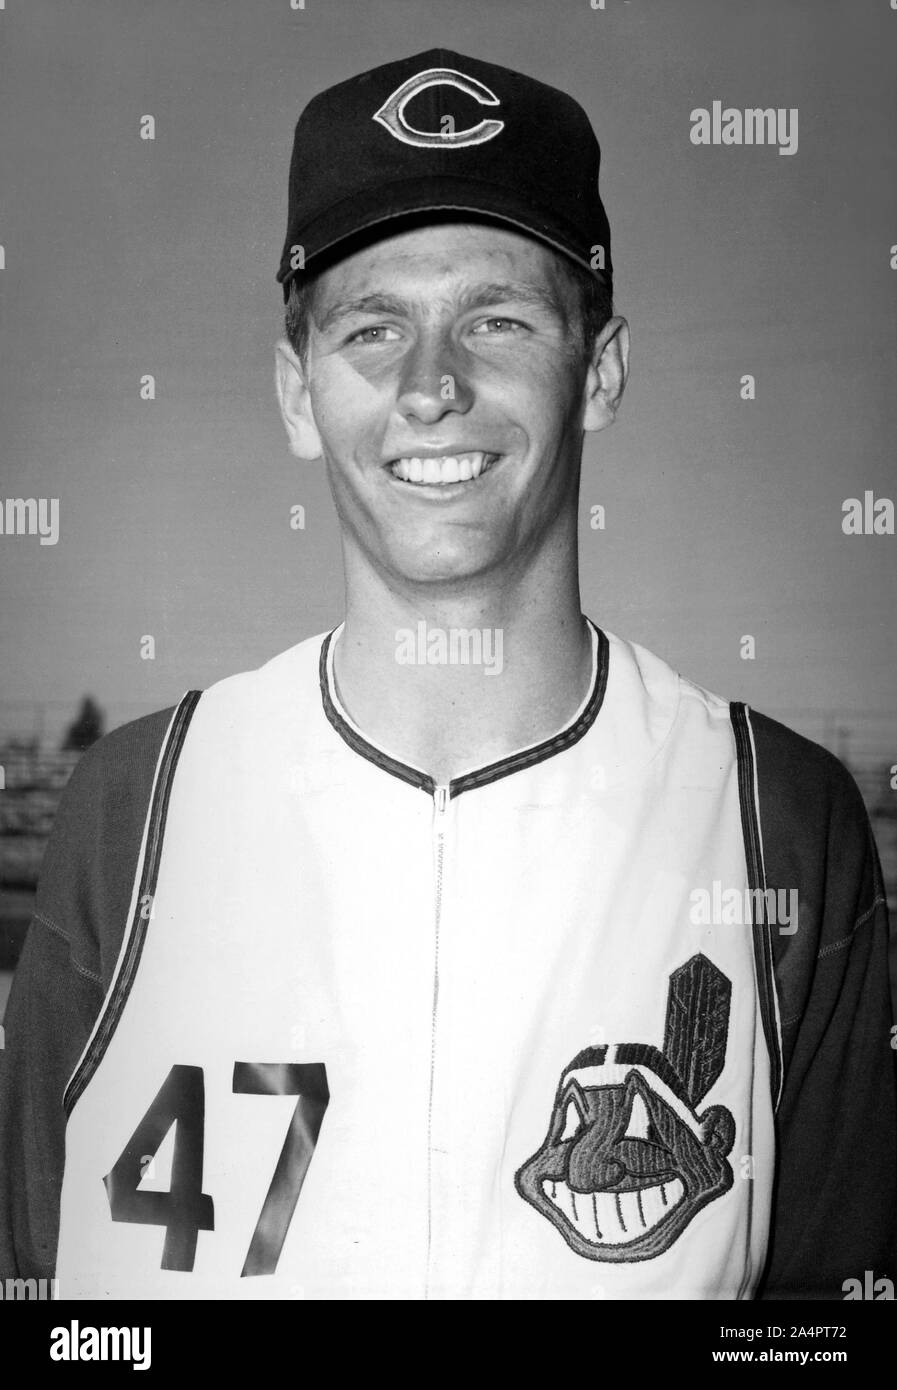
x,y
433,381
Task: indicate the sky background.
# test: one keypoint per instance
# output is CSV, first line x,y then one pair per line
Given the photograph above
x,y
125,257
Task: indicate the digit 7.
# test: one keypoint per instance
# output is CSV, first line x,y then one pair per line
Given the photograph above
x,y
308,1081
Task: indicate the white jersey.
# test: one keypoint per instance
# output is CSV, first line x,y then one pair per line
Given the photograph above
x,y
370,1037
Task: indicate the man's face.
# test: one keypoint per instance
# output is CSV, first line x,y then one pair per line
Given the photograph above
x,y
450,342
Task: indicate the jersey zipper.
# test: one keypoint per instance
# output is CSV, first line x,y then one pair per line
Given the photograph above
x,y
440,809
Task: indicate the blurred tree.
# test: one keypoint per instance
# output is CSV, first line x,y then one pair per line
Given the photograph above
x,y
86,729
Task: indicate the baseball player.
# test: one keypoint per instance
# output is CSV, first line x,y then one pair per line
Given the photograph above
x,y
465,951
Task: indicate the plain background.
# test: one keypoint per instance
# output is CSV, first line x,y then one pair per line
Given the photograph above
x,y
125,257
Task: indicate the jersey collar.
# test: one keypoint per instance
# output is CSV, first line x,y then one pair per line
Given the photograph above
x,y
566,737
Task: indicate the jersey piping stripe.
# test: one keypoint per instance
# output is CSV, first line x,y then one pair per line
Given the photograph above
x,y
356,740
774,991
763,958
503,767
148,871
557,743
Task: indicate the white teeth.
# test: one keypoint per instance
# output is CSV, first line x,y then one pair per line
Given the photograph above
x,y
614,1218
631,1213
451,468
653,1206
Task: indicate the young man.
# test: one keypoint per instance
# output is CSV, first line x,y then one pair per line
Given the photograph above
x,y
455,953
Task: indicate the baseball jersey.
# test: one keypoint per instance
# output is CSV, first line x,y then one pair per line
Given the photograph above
x,y
371,1037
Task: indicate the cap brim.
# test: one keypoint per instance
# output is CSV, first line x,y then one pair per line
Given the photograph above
x,y
409,198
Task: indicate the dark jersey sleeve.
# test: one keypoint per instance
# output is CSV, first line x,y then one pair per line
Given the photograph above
x,y
835,1199
65,968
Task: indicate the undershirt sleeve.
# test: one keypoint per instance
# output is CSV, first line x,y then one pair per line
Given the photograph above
x,y
64,971
835,1193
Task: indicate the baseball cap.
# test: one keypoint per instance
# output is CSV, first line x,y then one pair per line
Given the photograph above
x,y
443,132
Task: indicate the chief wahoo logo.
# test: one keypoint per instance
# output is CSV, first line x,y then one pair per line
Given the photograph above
x,y
628,1161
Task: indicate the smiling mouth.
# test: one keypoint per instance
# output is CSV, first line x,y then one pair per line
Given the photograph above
x,y
614,1218
442,470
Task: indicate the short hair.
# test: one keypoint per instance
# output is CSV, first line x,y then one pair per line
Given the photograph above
x,y
593,295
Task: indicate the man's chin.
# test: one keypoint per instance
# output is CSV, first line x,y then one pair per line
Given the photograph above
x,y
443,570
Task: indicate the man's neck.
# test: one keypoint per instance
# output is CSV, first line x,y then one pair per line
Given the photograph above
x,y
402,677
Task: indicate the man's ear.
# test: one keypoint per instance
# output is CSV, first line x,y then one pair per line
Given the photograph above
x,y
607,375
295,403
718,1129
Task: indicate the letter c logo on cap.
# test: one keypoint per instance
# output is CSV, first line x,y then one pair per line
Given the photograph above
x,y
392,113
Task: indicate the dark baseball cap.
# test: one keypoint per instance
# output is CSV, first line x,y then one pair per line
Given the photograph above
x,y
440,132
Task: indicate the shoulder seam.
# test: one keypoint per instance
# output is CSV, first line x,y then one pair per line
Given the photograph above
x,y
839,945
52,926
58,931
87,974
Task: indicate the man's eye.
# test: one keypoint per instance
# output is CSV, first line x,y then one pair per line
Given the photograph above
x,y
377,333
572,1122
639,1123
497,326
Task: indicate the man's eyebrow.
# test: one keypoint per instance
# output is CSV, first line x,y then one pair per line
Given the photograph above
x,y
476,297
366,304
514,292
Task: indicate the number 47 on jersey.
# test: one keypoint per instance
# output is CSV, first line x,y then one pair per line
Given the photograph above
x,y
185,1210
